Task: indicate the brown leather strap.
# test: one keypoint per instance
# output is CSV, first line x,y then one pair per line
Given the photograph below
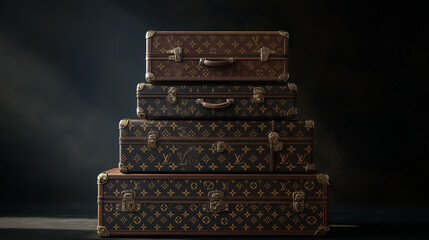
x,y
214,63
205,104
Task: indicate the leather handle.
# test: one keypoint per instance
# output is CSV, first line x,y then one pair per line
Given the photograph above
x,y
216,63
205,104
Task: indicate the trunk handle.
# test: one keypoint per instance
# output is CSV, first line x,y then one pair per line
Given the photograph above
x,y
205,104
214,63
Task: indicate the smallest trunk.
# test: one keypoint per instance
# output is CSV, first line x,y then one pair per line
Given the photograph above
x,y
224,56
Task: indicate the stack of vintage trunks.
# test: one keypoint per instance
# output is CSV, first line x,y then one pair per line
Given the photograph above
x,y
216,150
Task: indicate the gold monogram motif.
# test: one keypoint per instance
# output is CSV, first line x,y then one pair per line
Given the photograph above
x,y
185,217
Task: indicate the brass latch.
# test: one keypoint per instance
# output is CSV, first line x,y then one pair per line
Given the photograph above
x,y
298,201
128,203
152,140
172,95
265,53
274,141
258,95
216,202
220,146
177,54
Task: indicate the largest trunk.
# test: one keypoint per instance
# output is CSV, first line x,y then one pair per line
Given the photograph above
x,y
212,204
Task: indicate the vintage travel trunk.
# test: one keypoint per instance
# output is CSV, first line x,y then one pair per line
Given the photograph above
x,y
234,56
212,204
216,101
210,146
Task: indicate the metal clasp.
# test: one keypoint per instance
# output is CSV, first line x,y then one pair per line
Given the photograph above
x,y
265,53
274,141
216,204
177,54
258,95
220,146
152,140
128,203
172,95
298,201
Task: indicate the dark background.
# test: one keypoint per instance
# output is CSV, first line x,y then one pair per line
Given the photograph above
x,y
68,72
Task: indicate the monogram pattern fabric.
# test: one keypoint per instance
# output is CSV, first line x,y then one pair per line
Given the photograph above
x,y
249,70
221,44
277,101
267,205
189,217
193,146
233,187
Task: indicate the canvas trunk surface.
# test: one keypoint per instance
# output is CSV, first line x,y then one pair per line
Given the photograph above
x,y
215,146
174,56
207,204
216,101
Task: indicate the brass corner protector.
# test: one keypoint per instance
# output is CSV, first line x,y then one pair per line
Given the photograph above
x,y
150,33
309,123
283,77
150,77
322,231
102,231
123,168
124,122
292,87
291,113
140,86
323,178
284,33
102,178
141,113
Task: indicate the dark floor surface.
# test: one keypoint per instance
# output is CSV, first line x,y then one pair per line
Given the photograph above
x,y
399,231
79,222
